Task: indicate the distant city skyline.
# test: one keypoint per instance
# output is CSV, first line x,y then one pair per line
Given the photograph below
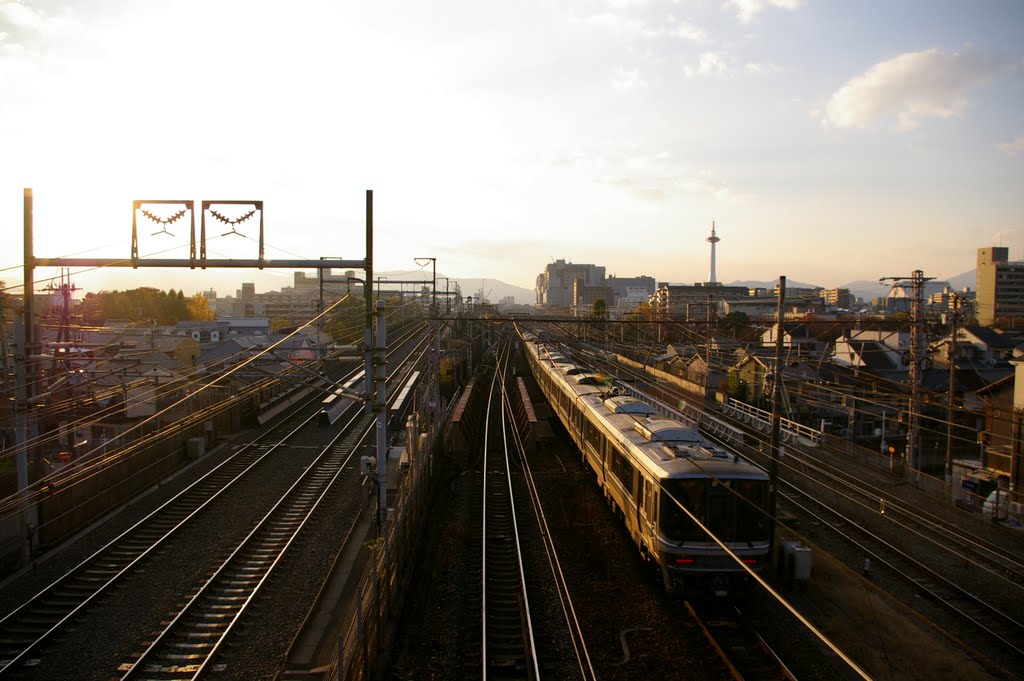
x,y
829,142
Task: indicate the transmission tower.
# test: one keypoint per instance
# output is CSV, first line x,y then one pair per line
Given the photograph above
x,y
918,341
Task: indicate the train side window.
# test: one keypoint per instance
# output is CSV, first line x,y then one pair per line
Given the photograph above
x,y
623,470
648,498
592,435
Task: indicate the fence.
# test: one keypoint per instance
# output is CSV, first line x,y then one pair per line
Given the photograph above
x,y
388,572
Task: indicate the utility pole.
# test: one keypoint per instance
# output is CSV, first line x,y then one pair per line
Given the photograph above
x,y
773,475
21,436
25,427
951,399
918,340
368,298
380,411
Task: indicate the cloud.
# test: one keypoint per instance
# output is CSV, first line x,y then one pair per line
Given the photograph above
x,y
707,183
708,64
761,68
688,31
620,20
660,187
20,23
747,10
914,85
1012,147
651,188
626,79
623,24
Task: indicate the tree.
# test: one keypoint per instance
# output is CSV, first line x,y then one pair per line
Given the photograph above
x,y
163,307
198,308
599,310
737,324
736,386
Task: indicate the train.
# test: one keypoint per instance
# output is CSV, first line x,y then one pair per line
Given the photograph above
x,y
671,486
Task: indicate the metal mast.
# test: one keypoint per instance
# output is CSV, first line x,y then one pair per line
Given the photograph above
x,y
918,358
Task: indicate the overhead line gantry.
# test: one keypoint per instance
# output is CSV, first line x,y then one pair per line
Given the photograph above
x,y
151,210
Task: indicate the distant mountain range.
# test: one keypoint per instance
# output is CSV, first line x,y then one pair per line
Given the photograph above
x,y
868,289
790,283
493,289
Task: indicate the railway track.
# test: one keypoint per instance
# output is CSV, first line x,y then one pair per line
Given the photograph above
x,y
934,531
745,654
572,625
996,633
28,628
190,643
912,545
967,586
508,649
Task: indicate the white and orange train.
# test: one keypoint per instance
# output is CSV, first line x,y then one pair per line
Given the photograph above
x,y
650,468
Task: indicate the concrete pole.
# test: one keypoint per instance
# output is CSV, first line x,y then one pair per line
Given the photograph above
x,y
952,394
773,495
917,357
380,410
435,373
21,431
30,284
368,297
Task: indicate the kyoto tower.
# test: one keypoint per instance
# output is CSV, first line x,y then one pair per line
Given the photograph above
x,y
713,240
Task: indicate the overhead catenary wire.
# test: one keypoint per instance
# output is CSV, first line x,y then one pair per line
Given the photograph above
x,y
37,484
771,591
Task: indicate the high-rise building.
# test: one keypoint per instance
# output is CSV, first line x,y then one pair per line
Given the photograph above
x,y
1000,288
555,285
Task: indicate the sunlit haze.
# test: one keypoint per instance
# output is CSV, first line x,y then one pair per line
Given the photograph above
x,y
828,141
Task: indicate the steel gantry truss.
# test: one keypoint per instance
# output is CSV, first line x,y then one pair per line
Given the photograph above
x,y
918,360
152,211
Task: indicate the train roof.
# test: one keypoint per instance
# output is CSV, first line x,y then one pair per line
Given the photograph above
x,y
665,447
661,429
627,404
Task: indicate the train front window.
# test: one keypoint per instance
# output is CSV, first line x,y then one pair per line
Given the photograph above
x,y
735,510
720,509
676,525
751,519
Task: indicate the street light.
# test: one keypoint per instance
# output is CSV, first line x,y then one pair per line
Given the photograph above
x,y
422,262
380,279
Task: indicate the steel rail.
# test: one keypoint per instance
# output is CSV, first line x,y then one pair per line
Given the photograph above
x,y
184,505
505,607
573,626
1010,642
252,562
123,554
743,651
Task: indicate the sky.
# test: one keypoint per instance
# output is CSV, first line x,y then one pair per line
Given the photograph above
x,y
828,141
